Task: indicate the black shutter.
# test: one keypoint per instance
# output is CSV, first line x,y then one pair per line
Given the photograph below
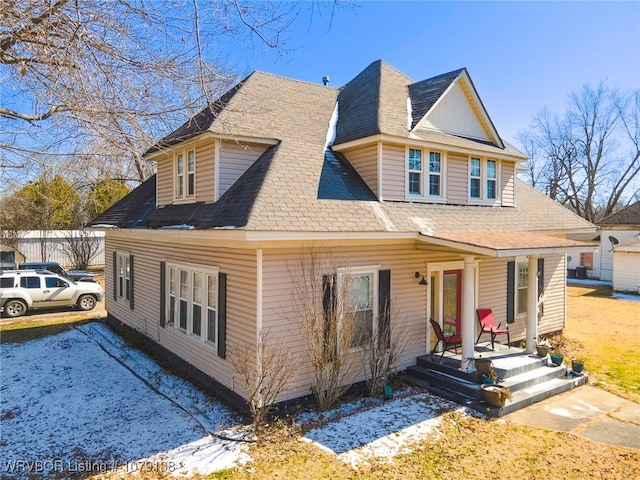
x,y
511,284
131,289
115,276
222,315
541,283
329,309
163,294
384,308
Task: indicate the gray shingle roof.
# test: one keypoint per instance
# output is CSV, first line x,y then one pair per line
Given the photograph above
x,y
297,185
627,216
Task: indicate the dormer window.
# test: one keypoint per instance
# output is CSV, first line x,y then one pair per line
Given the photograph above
x,y
415,171
185,168
483,179
424,180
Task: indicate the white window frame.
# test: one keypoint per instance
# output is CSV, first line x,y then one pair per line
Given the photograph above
x,y
425,175
521,263
173,291
123,276
187,178
414,171
373,271
484,181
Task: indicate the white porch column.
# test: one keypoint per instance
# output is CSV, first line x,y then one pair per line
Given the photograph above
x,y
468,313
532,305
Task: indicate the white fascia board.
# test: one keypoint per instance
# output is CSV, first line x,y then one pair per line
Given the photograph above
x,y
416,142
186,144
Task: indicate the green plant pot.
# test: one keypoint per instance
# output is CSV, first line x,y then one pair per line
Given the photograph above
x,y
577,366
556,359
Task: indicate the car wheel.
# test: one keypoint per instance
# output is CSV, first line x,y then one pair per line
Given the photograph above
x,y
15,308
86,302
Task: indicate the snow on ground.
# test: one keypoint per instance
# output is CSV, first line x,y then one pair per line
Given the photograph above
x,y
83,400
383,431
67,404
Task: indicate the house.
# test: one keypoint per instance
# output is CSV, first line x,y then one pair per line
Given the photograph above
x,y
407,186
615,230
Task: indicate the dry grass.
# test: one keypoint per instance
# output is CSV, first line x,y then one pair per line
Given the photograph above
x,y
605,333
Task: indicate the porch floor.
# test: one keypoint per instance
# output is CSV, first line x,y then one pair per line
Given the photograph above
x,y
530,378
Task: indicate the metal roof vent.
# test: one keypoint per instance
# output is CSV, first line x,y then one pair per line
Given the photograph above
x,y
325,80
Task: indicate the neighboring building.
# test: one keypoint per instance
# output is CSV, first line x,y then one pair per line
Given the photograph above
x,y
10,257
386,176
626,265
615,230
50,245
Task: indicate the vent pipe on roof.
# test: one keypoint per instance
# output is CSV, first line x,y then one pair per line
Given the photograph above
x,y
325,80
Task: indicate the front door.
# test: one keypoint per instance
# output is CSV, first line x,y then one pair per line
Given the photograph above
x,y
452,302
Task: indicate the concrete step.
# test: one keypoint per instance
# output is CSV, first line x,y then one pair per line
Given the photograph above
x,y
533,394
446,381
511,366
533,377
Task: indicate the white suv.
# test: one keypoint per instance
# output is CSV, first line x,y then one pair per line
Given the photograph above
x,y
21,290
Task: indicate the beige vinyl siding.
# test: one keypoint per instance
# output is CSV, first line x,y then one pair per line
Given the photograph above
x,y
457,179
281,320
240,267
508,184
365,161
205,172
165,181
493,294
393,172
235,159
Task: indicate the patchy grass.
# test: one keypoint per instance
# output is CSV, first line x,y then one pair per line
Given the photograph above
x,y
603,331
28,329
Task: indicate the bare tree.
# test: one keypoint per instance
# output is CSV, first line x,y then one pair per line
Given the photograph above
x,y
265,373
382,351
588,158
80,247
326,322
88,84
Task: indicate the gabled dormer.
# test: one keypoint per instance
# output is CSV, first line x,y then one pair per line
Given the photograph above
x,y
429,142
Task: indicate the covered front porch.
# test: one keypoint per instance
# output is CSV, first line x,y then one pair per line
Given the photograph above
x,y
456,289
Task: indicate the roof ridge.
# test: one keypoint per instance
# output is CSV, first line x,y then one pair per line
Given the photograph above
x,y
283,77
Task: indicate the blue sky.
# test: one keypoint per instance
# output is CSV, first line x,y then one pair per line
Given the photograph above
x,y
522,56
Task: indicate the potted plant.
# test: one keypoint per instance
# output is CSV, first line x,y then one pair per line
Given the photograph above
x,y
577,365
557,357
496,395
542,347
486,371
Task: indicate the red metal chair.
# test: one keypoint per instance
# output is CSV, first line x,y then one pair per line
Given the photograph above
x,y
488,325
448,341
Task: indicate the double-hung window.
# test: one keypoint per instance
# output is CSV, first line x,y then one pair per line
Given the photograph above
x,y
483,179
522,286
492,179
123,281
435,174
475,169
424,176
185,174
192,291
415,171
360,304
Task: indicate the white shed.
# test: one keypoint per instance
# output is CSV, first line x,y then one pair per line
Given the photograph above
x,y
626,265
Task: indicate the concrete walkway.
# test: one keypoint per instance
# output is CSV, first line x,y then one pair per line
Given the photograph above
x,y
588,412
